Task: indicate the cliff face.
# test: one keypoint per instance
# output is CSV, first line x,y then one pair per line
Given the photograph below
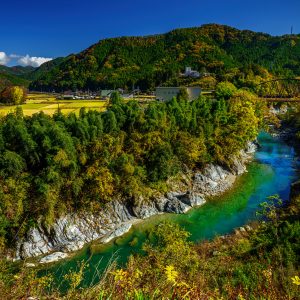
x,y
71,232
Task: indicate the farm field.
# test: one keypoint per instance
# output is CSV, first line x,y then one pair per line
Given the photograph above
x,y
49,105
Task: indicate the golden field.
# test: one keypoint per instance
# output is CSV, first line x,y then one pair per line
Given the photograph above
x,y
49,105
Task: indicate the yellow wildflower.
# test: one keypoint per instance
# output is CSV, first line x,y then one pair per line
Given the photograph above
x,y
171,274
296,280
267,274
120,275
137,274
182,284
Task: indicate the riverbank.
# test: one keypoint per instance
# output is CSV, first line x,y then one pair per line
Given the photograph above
x,y
72,232
257,262
229,266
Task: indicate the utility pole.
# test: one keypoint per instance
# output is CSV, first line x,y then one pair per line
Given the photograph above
x,y
292,30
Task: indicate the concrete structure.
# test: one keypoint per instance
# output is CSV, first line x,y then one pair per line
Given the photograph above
x,y
167,93
106,93
191,73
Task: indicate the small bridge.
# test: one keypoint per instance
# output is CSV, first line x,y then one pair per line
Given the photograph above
x,y
279,90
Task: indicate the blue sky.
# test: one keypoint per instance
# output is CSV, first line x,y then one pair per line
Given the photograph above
x,y
31,30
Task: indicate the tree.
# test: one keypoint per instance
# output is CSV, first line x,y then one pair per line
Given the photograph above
x,y
14,95
111,124
183,94
52,165
115,98
162,163
225,90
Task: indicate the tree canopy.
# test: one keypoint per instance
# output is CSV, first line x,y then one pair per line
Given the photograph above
x,y
13,95
229,54
54,165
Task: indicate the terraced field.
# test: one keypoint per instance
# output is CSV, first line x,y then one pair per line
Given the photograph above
x,y
49,105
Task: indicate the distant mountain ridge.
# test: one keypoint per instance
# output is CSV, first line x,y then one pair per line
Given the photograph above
x,y
16,70
20,75
44,68
149,61
14,76
158,59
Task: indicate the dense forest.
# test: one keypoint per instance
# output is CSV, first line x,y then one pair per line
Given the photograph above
x,y
7,80
146,62
53,165
22,76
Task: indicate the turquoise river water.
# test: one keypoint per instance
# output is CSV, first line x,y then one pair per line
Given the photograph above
x,y
272,171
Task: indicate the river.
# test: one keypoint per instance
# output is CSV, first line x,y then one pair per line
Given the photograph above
x,y
271,172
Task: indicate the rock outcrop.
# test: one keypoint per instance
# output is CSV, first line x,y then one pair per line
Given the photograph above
x,y
53,257
71,232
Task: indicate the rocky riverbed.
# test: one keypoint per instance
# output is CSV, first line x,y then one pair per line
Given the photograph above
x,y
71,232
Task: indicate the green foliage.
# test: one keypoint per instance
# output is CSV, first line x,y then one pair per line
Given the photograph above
x,y
7,79
242,57
115,98
162,163
183,95
13,95
54,165
225,90
261,263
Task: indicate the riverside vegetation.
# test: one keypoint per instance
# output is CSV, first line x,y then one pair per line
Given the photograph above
x,y
92,158
51,166
261,263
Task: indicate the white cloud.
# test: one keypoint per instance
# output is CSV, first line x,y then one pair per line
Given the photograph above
x,y
32,60
22,60
15,56
4,58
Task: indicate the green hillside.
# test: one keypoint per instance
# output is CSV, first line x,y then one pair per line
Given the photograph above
x,y
158,60
44,68
9,79
16,75
19,75
16,70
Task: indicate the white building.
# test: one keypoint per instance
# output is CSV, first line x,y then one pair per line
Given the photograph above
x,y
191,73
167,93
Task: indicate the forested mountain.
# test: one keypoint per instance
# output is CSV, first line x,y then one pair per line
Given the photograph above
x,y
9,79
14,75
16,70
44,68
19,75
158,60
